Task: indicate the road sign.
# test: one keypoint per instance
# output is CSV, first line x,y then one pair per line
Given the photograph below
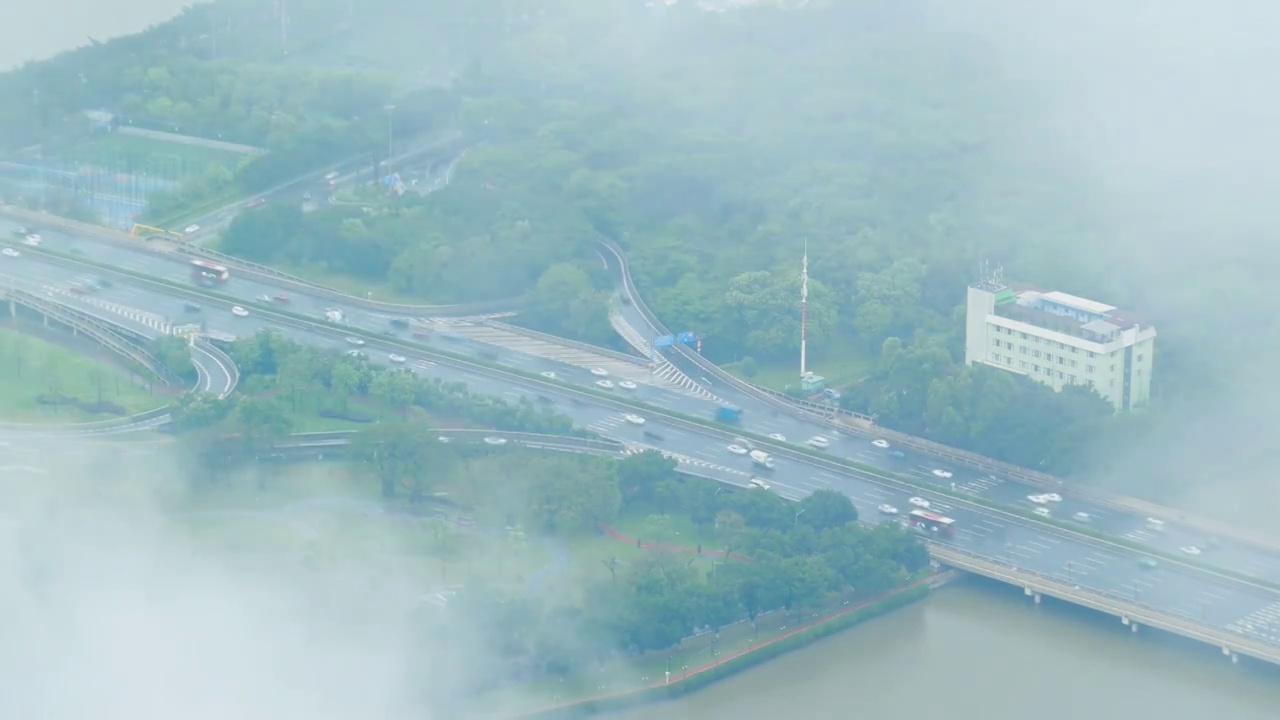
x,y
688,338
664,341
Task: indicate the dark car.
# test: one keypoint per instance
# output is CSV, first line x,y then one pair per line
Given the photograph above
x,y
190,307
897,453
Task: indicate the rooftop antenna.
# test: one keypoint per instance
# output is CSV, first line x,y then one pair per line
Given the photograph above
x,y
804,307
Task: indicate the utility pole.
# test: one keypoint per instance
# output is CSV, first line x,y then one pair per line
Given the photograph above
x,y
804,308
390,109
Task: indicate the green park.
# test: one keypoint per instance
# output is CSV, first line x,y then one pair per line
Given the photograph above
x,y
48,382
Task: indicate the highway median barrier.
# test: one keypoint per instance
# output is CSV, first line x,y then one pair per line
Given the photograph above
x,y
708,426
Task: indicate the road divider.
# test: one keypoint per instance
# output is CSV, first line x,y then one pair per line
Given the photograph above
x,y
535,382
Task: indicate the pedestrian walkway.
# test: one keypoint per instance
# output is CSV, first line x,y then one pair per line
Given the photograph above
x,y
147,319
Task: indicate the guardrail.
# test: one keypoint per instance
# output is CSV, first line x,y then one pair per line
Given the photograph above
x,y
867,424
1129,610
93,327
252,269
337,437
593,349
557,388
770,397
223,361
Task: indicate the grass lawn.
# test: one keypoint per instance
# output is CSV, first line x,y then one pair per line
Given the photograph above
x,y
34,367
140,155
841,362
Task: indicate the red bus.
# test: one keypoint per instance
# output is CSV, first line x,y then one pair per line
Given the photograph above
x,y
208,273
925,522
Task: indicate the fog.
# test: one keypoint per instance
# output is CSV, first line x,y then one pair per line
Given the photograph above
x,y
1160,110
41,30
112,610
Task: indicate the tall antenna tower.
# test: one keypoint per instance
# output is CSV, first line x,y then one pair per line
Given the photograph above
x,y
804,307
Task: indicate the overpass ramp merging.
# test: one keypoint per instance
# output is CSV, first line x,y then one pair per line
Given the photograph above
x,y
618,366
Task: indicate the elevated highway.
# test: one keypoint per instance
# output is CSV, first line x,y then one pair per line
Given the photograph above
x,y
1155,598
971,494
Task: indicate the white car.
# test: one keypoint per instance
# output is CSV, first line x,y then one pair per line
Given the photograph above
x,y
1191,550
818,441
548,374
356,354
397,359
1082,517
444,439
758,483
264,298
606,384
355,341
881,443
778,436
944,474
191,229
633,419
626,385
599,372
32,239
495,441
887,510
737,450
919,502
1052,497
1042,511
1038,499
10,252
239,311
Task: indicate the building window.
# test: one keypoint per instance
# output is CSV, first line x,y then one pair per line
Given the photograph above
x,y
1008,346
1048,371
996,342
1113,367
1075,349
1022,364
1036,353
1022,349
1090,383
1062,360
1008,360
1073,363
1059,374
1139,357
1024,335
1088,368
1072,378
1092,354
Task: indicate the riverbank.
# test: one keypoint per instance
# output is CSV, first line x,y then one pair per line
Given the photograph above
x,y
671,685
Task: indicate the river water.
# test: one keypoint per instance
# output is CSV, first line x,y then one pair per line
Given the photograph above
x,y
977,651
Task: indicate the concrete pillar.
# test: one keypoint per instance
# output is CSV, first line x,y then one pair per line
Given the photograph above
x,y
1133,626
1036,597
1235,659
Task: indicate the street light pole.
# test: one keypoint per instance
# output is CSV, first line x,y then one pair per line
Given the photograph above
x,y
797,518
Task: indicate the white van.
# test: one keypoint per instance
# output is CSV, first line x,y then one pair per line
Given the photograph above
x,y
1155,524
758,483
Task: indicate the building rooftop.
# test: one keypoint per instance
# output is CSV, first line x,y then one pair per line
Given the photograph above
x,y
1060,312
1079,303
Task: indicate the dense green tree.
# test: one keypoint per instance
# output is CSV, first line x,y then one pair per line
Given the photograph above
x,y
824,509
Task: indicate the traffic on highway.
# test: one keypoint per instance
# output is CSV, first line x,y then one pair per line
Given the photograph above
x,y
1113,570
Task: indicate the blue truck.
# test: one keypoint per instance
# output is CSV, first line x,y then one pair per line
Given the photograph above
x,y
729,414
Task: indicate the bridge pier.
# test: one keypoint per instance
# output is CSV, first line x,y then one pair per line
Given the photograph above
x,y
1235,658
1035,596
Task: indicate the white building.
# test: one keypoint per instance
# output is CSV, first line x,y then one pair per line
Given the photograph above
x,y
1059,340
